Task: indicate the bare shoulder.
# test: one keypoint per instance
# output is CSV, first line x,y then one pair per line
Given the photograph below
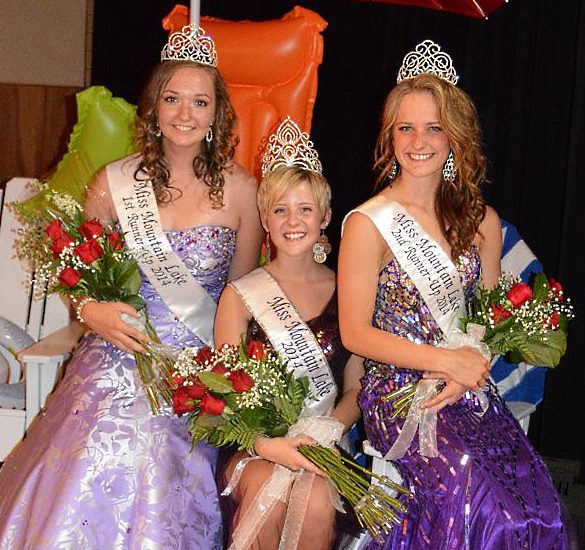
x,y
240,181
328,275
490,225
359,229
358,223
98,199
99,184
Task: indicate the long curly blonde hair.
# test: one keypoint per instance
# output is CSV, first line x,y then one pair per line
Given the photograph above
x,y
459,205
216,156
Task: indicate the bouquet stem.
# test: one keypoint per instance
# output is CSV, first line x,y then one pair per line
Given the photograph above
x,y
374,506
156,369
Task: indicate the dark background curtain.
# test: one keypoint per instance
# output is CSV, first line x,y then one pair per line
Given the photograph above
x,y
525,69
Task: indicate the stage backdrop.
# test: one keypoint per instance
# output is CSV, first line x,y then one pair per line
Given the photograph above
x,y
525,69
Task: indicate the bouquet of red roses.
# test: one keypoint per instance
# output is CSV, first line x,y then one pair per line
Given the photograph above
x,y
526,323
233,395
85,260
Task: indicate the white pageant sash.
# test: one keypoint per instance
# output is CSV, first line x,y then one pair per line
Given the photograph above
x,y
290,336
139,218
425,262
438,282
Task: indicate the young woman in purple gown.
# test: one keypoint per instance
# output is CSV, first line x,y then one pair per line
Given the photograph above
x,y
97,469
410,258
291,306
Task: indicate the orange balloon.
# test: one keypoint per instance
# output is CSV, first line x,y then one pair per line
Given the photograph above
x,y
270,68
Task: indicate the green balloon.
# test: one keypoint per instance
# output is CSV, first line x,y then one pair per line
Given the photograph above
x,y
104,132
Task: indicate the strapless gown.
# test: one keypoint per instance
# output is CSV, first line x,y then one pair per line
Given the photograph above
x,y
488,489
96,470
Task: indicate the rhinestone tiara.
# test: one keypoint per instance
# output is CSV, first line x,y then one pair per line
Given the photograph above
x,y
288,146
427,58
190,44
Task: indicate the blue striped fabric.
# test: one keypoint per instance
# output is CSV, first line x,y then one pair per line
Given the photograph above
x,y
518,383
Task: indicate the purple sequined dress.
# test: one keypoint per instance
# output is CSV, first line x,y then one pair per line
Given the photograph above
x,y
98,471
488,489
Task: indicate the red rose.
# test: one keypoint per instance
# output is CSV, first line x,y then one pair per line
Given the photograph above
x,y
255,349
499,313
556,289
196,390
211,405
115,240
241,381
219,369
60,243
519,294
178,379
89,251
69,277
91,229
182,401
553,321
55,229
204,354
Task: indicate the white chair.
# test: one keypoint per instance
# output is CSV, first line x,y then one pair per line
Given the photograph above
x,y
24,321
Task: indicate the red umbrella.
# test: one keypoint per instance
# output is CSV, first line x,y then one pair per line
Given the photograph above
x,y
470,8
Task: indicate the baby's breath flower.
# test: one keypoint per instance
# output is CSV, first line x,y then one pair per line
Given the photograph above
x,y
65,203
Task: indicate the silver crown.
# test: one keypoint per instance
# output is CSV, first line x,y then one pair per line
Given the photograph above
x,y
288,146
427,58
190,44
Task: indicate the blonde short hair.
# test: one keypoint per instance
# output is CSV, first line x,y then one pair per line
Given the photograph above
x,y
281,179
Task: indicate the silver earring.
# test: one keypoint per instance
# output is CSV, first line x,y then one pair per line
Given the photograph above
x,y
449,171
209,135
321,248
394,169
158,131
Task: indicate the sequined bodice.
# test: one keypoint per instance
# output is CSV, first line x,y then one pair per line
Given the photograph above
x,y
401,310
325,327
207,252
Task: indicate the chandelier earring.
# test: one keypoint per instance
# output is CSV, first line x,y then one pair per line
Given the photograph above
x,y
321,248
209,135
394,170
449,170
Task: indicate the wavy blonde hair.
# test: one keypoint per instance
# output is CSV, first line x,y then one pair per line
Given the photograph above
x,y
460,206
216,157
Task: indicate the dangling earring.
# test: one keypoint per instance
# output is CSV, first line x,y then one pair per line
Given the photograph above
x,y
157,131
321,248
394,170
209,135
267,248
449,170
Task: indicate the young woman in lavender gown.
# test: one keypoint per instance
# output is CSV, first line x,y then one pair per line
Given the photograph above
x,y
97,469
291,306
410,258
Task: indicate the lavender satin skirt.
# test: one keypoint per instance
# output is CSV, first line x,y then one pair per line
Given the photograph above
x,y
98,471
487,490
